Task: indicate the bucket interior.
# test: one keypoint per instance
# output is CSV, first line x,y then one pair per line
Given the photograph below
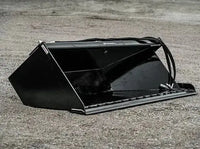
x,y
110,74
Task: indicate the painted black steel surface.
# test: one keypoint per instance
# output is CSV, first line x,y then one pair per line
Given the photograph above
x,y
97,75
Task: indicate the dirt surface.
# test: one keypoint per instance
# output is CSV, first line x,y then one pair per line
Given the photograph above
x,y
169,124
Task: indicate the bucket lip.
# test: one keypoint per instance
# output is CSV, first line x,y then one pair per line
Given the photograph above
x,y
135,101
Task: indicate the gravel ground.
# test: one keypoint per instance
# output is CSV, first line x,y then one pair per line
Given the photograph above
x,y
169,124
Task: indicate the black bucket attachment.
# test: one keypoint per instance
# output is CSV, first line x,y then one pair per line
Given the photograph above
x,y
97,75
